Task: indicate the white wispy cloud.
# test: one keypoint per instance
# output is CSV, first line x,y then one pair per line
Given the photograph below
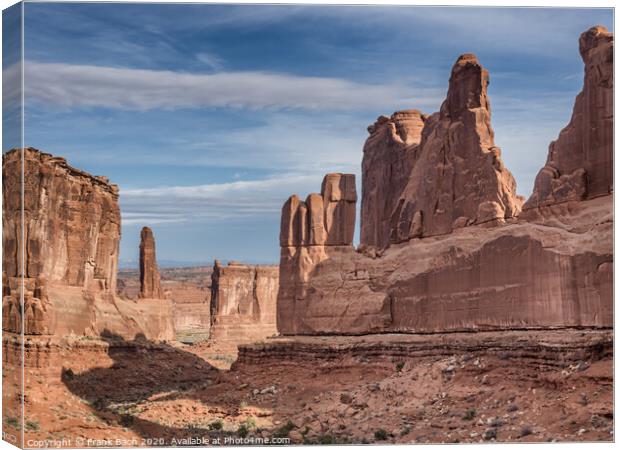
x,y
69,85
214,202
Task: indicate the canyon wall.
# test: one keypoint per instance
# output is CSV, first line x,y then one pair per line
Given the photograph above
x,y
243,303
72,222
71,241
456,253
309,232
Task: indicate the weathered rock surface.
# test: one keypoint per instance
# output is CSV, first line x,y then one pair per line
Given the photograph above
x,y
457,176
72,221
309,231
327,218
243,303
389,155
38,313
72,233
150,283
548,269
580,162
553,273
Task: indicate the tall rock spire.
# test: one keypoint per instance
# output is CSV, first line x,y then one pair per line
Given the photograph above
x,y
150,285
457,177
580,161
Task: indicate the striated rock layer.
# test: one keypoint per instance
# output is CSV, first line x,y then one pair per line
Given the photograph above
x,y
309,232
461,257
150,284
580,162
71,240
243,303
71,218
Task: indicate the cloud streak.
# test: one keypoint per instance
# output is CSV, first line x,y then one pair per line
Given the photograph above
x,y
69,85
213,202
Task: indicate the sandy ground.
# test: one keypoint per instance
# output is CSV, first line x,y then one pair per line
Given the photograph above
x,y
167,394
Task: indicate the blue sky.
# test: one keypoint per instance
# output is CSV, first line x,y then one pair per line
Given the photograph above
x,y
209,116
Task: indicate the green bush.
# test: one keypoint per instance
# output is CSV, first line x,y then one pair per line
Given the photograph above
x,y
216,425
381,434
242,431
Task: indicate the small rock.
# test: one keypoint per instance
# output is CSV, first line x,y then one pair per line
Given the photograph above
x,y
346,398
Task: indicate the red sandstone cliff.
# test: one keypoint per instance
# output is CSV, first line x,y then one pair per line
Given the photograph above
x,y
72,221
243,303
72,233
446,268
309,232
580,161
458,178
389,155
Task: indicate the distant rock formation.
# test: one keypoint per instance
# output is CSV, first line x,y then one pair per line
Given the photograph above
x,y
243,303
72,232
389,154
150,283
458,178
460,254
580,162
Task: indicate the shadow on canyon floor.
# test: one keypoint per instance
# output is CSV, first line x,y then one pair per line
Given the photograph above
x,y
143,371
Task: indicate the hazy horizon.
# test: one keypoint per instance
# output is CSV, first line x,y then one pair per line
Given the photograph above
x,y
209,116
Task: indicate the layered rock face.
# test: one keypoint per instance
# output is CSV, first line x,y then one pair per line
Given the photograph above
x,y
446,268
150,283
389,154
72,222
243,303
580,162
71,241
458,178
309,232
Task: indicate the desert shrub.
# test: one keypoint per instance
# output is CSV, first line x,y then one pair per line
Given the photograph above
x,y
216,425
381,434
469,414
243,430
284,430
250,422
